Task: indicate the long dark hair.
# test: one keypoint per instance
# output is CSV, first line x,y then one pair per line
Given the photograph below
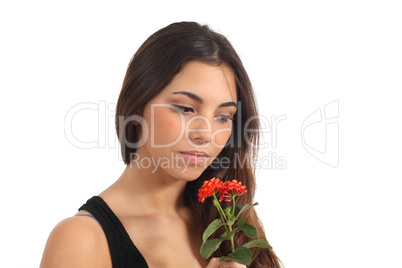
x,y
152,67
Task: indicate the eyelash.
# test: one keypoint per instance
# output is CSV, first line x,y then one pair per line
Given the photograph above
x,y
183,109
223,118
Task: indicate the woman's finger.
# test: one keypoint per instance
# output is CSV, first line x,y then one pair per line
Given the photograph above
x,y
215,263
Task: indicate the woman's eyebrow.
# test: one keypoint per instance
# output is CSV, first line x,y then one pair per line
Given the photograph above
x,y
198,99
227,104
190,95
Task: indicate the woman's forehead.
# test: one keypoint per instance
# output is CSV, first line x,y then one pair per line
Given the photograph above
x,y
205,81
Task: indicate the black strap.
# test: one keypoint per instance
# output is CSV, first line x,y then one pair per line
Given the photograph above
x,y
122,249
91,217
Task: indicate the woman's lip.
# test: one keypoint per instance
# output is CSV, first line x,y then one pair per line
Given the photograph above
x,y
194,158
198,153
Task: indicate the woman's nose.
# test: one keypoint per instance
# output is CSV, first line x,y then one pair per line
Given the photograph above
x,y
199,129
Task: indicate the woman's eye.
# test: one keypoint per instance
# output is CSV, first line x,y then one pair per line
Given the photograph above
x,y
224,118
183,109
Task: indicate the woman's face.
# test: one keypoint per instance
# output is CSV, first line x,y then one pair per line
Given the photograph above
x,y
189,121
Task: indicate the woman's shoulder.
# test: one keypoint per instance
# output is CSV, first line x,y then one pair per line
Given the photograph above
x,y
76,242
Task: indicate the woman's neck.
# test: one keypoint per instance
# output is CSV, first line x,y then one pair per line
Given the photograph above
x,y
150,192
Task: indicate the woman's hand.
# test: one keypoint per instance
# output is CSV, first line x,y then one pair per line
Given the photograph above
x,y
215,263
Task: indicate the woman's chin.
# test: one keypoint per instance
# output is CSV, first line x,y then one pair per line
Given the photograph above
x,y
188,174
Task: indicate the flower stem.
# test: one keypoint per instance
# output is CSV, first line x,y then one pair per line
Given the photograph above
x,y
224,218
222,214
234,206
220,208
231,239
230,227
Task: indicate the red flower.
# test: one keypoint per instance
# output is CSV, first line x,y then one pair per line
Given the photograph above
x,y
231,188
209,188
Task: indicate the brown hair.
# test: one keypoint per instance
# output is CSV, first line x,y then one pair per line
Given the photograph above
x,y
152,67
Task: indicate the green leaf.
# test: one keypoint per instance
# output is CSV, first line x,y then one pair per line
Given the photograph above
x,y
209,247
241,255
212,227
262,243
240,209
248,229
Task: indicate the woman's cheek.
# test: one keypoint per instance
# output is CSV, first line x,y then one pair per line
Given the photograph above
x,y
167,127
221,137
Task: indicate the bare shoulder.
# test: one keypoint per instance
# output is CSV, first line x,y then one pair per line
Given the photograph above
x,y
76,242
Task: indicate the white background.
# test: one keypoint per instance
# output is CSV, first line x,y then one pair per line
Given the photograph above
x,y
300,55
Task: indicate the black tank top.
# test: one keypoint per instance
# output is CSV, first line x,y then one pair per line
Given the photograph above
x,y
122,249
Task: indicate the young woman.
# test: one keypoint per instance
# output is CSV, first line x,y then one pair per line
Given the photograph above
x,y
186,113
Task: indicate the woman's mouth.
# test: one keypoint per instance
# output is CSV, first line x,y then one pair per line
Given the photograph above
x,y
194,157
